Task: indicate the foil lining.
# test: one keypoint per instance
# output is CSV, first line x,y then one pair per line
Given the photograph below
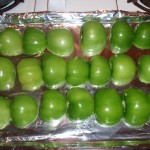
x,y
104,16
63,132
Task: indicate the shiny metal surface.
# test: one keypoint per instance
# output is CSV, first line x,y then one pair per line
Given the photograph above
x,y
63,132
142,4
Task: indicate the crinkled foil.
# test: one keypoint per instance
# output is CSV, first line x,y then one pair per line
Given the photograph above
x,y
63,132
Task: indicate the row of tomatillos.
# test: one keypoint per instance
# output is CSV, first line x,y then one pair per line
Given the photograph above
x,y
54,71
61,41
108,106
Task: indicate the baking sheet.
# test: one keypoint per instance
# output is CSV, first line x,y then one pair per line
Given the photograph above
x,y
63,132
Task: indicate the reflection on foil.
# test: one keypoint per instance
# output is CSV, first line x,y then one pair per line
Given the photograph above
x,y
72,17
64,130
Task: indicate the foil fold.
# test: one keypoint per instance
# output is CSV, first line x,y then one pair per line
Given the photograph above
x,y
104,16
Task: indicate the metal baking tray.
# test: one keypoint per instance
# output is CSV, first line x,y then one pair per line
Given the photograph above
x,y
65,133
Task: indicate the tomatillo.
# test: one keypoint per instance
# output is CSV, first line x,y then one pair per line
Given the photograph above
x,y
5,116
53,105
123,69
121,37
137,107
30,74
7,74
81,104
142,35
108,106
100,73
144,69
34,41
93,38
77,71
149,98
24,110
11,43
60,41
54,71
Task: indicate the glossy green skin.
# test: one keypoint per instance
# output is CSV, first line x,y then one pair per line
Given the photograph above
x,y
148,98
5,116
108,106
144,69
77,71
10,42
93,38
30,74
60,41
24,110
53,105
34,41
81,104
54,71
142,36
100,73
123,69
137,107
7,74
121,37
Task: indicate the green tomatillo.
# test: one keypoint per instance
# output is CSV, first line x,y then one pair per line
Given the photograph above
x,y
60,41
137,107
24,110
93,38
81,104
30,74
77,71
34,41
7,74
54,71
5,116
121,37
142,35
53,105
100,73
123,69
108,106
144,69
11,42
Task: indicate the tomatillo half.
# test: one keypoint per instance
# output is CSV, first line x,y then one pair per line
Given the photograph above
x,y
137,107
81,104
11,43
5,116
34,41
121,37
142,35
93,38
53,105
60,41
123,69
30,74
54,71
77,71
100,72
7,74
108,106
24,110
144,69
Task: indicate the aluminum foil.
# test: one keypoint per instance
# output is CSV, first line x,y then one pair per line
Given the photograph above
x,y
63,132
